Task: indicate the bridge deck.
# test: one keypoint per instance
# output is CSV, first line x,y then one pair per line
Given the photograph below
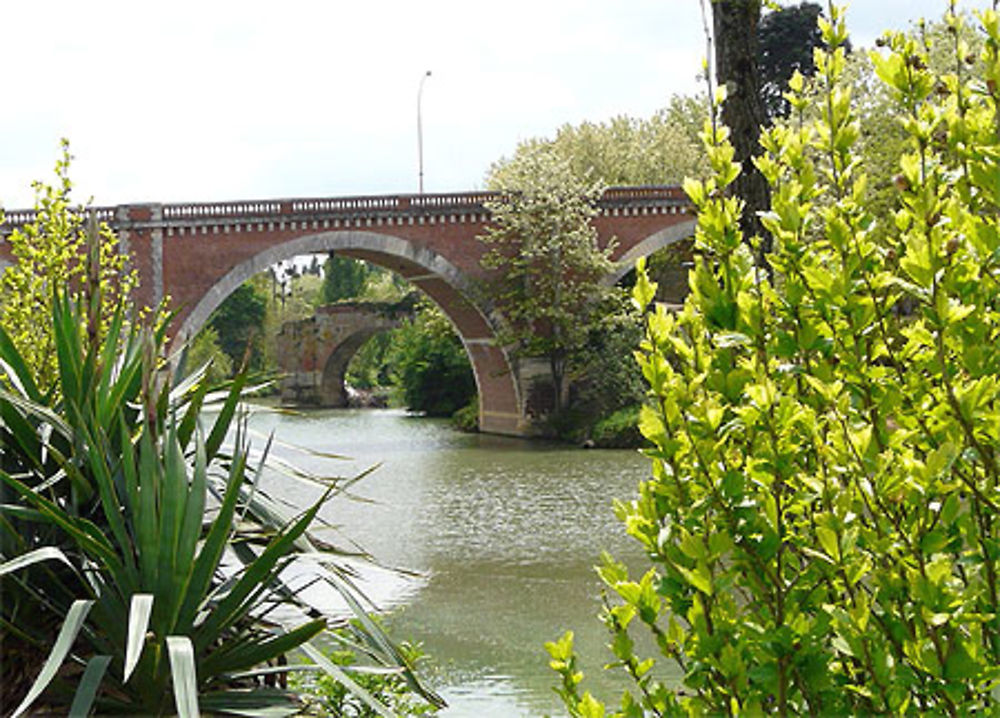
x,y
615,200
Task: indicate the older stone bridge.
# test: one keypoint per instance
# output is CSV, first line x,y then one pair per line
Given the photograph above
x,y
314,352
198,253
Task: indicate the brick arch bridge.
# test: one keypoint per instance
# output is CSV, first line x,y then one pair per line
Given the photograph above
x,y
197,254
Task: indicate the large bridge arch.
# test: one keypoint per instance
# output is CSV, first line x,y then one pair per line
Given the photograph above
x,y
499,394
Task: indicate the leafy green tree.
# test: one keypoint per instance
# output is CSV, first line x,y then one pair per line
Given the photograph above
x,y
548,263
239,325
662,149
822,510
429,364
343,278
786,38
370,367
204,350
53,252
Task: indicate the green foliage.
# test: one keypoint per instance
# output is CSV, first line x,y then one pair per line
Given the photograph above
x,y
662,149
239,325
549,266
113,481
343,278
326,696
618,430
604,383
467,418
370,367
429,365
205,349
52,252
883,140
822,512
786,38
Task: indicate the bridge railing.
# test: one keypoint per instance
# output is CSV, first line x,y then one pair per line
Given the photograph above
x,y
19,217
183,213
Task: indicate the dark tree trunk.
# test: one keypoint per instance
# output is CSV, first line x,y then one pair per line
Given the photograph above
x,y
735,29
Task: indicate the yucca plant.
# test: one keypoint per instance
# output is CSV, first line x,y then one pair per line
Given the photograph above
x,y
140,569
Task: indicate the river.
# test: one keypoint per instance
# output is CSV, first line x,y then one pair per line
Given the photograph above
x,y
502,534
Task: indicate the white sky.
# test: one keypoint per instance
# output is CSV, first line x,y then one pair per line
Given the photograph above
x,y
210,100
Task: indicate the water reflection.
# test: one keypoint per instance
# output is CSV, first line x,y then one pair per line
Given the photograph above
x,y
504,534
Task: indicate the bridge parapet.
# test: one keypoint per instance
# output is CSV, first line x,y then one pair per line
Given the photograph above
x,y
616,201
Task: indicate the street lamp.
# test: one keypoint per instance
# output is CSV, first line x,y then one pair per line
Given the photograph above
x,y
420,131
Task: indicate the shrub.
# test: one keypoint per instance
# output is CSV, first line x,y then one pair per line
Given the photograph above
x,y
430,366
822,515
467,418
53,251
326,696
620,430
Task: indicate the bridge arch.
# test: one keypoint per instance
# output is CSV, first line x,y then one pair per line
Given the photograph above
x,y
335,369
499,394
658,240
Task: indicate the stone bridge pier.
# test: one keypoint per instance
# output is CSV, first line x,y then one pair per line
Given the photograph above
x,y
314,352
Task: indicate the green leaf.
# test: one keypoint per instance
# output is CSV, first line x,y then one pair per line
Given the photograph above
x,y
590,707
562,649
260,703
700,577
46,553
225,417
960,665
86,690
246,655
71,626
138,622
16,369
828,540
183,675
339,675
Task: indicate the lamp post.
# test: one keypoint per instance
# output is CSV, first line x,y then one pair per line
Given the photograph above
x,y
420,131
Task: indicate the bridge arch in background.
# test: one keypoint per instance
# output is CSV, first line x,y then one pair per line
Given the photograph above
x,y
658,240
499,394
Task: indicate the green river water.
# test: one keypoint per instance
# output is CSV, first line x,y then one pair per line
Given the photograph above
x,y
502,535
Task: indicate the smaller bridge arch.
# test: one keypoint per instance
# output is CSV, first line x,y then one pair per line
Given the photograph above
x,y
314,352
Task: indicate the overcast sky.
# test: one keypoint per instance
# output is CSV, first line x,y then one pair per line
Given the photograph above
x,y
209,100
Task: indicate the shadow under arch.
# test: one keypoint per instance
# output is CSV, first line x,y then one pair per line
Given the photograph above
x,y
500,401
658,240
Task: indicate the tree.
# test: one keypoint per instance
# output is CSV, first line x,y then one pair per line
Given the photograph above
x,y
429,364
343,278
821,512
54,252
239,323
786,38
547,260
735,32
662,149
